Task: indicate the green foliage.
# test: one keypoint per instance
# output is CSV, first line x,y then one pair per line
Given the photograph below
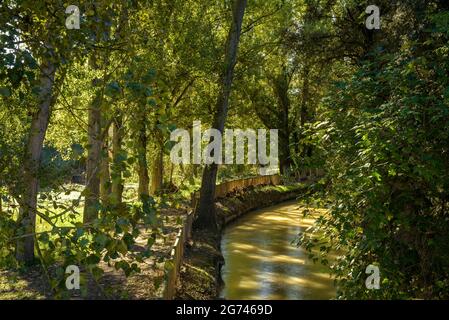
x,y
385,132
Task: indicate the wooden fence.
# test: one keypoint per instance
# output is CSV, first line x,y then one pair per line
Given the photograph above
x,y
223,189
168,289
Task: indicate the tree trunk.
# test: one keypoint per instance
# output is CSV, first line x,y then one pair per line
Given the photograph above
x,y
206,211
296,143
170,180
157,172
117,166
105,176
144,180
195,170
92,191
281,86
305,117
39,124
284,152
98,61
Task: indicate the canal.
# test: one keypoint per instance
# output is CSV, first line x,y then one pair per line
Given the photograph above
x,y
262,263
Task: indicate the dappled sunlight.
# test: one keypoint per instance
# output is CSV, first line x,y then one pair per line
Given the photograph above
x,y
262,263
274,258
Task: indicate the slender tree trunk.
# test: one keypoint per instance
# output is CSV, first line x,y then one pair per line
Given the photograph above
x,y
296,143
92,191
39,124
98,61
157,172
206,211
172,170
307,150
144,180
117,166
284,152
105,176
195,170
286,141
281,85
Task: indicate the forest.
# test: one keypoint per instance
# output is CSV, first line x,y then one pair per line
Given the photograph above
x,y
96,95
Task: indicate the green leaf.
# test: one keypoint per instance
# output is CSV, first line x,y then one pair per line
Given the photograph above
x,y
112,89
101,240
5,92
93,259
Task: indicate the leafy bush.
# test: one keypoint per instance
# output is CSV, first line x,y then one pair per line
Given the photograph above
x,y
386,133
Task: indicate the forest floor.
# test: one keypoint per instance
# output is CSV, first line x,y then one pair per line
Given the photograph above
x,y
31,283
199,272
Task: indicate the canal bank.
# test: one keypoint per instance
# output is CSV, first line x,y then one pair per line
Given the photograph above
x,y
200,274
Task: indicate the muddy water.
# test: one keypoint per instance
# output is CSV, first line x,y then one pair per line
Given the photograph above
x,y
261,262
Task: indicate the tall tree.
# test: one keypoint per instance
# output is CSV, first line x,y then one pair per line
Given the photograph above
x,y
105,38
206,210
36,28
93,166
38,128
117,159
142,162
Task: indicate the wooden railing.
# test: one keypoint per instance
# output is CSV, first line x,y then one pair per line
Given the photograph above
x,y
223,189
168,290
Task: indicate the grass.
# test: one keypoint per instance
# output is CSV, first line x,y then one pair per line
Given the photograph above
x,y
284,188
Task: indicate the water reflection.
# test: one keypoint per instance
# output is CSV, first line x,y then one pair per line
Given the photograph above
x,y
261,262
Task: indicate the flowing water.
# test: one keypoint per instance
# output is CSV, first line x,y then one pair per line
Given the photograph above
x,y
262,263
